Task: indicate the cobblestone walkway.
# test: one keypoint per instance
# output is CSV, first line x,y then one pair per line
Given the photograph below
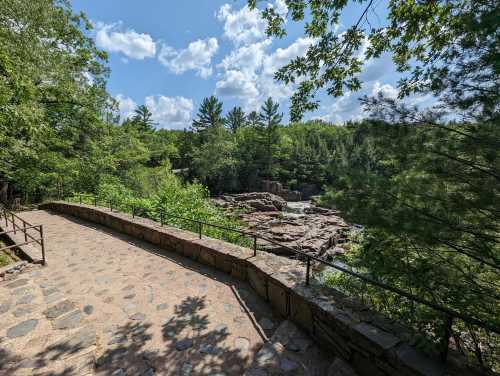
x,y
107,304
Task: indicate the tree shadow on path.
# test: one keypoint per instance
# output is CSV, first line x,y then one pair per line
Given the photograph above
x,y
188,347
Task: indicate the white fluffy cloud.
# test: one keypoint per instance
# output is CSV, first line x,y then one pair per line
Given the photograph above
x,y
197,56
282,56
348,107
387,90
170,112
280,7
248,72
247,58
126,106
130,43
245,25
242,26
237,84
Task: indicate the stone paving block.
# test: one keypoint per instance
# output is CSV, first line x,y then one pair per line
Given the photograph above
x,y
21,329
69,321
17,283
59,309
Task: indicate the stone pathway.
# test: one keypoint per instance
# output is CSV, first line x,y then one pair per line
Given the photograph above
x,y
108,304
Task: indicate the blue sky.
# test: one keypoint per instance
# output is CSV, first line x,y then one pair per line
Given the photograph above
x,y
171,54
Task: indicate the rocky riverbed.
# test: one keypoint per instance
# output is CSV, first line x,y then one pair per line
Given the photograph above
x,y
299,225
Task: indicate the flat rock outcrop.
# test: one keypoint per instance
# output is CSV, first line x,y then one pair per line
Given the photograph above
x,y
253,201
314,230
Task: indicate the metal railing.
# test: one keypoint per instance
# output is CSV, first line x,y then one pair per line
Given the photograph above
x,y
20,225
449,314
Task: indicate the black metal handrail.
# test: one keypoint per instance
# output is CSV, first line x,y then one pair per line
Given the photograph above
x,y
449,314
11,218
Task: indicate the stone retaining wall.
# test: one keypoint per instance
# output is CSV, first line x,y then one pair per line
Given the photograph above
x,y
372,344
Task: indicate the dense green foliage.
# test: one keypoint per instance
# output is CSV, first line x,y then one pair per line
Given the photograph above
x,y
430,208
238,158
51,87
171,201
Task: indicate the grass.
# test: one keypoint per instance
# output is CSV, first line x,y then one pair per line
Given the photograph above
x,y
5,258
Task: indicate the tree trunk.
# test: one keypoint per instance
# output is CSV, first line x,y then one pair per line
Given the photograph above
x,y
4,192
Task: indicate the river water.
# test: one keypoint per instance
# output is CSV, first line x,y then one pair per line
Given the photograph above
x,y
297,207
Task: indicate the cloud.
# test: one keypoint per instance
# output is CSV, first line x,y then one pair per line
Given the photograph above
x,y
387,90
248,72
376,69
242,26
280,7
237,84
247,58
126,106
170,112
282,56
130,43
197,56
348,107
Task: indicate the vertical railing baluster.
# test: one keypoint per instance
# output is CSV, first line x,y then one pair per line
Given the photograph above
x,y
13,223
25,233
200,229
162,218
42,243
308,270
80,198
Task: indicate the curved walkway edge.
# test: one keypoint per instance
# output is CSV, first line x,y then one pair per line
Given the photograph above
x,y
371,343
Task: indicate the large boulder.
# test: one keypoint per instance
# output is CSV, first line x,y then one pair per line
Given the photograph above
x,y
278,189
261,201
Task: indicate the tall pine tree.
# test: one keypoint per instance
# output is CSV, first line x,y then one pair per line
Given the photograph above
x,y
235,119
269,121
209,115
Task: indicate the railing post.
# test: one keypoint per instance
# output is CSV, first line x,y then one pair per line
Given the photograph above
x,y
42,243
447,333
80,198
200,229
162,217
24,230
133,211
308,270
13,223
5,215
254,245
111,205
